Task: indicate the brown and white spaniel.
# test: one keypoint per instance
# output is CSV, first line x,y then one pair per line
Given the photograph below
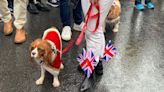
x,y
47,52
114,15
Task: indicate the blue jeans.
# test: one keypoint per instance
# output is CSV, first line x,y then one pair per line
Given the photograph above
x,y
65,13
139,1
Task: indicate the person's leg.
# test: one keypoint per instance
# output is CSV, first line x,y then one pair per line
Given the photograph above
x,y
147,1
41,6
78,17
96,41
77,13
31,1
6,17
66,20
86,84
32,8
20,19
38,1
4,11
138,2
10,5
65,12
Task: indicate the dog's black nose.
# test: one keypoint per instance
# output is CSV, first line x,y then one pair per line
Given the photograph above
x,y
33,53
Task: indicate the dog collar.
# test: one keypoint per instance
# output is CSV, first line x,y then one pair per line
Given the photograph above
x,y
53,50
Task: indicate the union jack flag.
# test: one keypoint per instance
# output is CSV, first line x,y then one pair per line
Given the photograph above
x,y
109,52
87,62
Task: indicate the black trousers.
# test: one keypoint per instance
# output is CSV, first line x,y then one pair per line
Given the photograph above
x,y
10,3
32,1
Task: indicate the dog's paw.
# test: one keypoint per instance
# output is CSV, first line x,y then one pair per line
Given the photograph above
x,y
115,30
56,83
39,81
61,66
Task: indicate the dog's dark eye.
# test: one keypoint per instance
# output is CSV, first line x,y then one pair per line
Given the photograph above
x,y
40,50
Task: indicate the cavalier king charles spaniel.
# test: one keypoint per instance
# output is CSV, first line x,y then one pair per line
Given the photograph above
x,y
114,15
47,52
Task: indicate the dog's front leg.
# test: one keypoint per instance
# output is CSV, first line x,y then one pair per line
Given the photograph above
x,y
56,82
41,79
55,74
116,24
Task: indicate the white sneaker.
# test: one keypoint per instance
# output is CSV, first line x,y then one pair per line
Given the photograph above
x,y
66,33
78,27
53,3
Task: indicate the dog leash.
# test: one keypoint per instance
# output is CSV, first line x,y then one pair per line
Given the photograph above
x,y
88,16
70,44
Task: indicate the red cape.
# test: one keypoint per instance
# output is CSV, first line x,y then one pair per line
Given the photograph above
x,y
53,36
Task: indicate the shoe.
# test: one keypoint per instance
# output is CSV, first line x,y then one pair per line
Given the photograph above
x,y
32,8
66,33
20,36
8,28
150,5
139,7
42,7
53,3
11,10
88,83
78,27
0,19
99,68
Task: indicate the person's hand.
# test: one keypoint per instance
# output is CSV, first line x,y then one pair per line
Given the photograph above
x,y
94,1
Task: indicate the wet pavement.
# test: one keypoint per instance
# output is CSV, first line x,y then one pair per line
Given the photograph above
x,y
138,66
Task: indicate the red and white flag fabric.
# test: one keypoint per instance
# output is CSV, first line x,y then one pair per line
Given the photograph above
x,y
87,62
109,52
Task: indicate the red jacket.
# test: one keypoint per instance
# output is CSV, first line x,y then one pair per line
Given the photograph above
x,y
53,36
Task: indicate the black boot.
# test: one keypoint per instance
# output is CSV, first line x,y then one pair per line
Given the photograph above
x,y
32,8
87,83
99,68
42,7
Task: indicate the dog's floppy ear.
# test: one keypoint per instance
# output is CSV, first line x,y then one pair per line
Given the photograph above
x,y
47,52
30,48
31,45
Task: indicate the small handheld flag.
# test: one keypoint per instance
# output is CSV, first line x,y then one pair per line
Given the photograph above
x,y
109,52
87,62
